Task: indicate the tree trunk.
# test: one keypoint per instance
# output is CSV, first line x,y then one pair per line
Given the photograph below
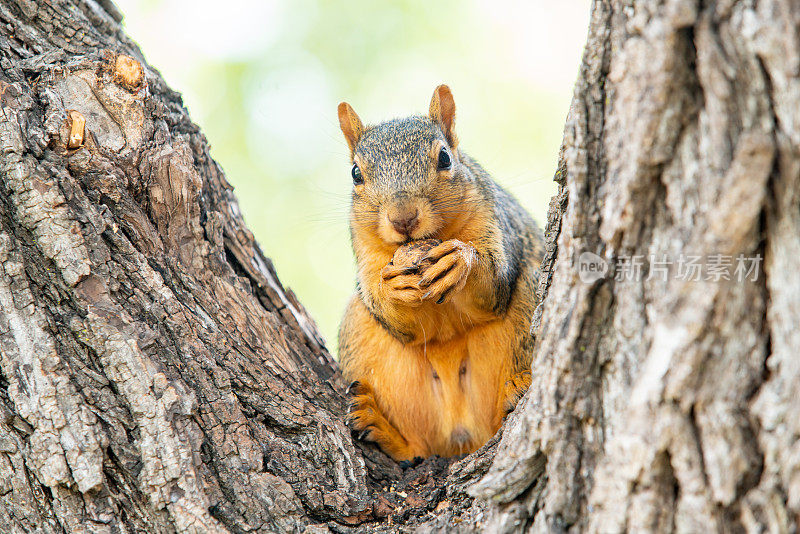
x,y
661,402
156,376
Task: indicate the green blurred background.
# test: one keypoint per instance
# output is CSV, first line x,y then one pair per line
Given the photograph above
x,y
263,78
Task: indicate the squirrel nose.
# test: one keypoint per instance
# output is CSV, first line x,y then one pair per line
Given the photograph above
x,y
405,223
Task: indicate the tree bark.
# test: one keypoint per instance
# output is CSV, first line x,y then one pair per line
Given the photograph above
x,y
157,377
669,404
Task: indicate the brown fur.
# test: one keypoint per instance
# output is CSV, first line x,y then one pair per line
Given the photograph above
x,y
440,355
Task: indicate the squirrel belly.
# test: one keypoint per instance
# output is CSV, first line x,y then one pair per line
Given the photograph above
x,y
436,340
437,397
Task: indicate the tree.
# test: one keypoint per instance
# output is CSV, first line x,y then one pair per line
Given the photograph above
x,y
157,377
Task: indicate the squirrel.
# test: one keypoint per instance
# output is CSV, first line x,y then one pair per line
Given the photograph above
x,y
437,344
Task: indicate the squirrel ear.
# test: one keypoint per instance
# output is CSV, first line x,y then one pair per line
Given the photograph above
x,y
351,125
443,112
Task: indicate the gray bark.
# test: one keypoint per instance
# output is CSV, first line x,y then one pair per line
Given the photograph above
x,y
665,404
156,377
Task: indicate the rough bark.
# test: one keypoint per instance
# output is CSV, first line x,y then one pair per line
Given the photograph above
x,y
666,404
156,376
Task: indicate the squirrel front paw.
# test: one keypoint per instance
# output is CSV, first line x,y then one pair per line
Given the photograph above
x,y
513,390
368,422
452,261
400,283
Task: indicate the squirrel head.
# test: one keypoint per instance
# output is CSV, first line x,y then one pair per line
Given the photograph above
x,y
409,181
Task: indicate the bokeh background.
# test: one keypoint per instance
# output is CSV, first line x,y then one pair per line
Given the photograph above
x,y
263,79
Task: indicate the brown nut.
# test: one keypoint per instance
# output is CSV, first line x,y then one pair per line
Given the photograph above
x,y
413,254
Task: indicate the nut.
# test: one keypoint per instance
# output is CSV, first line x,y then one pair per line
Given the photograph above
x,y
413,254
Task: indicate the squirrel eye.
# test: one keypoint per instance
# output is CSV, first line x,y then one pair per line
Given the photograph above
x,y
356,173
444,160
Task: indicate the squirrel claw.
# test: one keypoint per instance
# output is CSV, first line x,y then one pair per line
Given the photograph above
x,y
414,462
514,389
352,387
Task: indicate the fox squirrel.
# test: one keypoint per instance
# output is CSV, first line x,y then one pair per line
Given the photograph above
x,y
437,337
